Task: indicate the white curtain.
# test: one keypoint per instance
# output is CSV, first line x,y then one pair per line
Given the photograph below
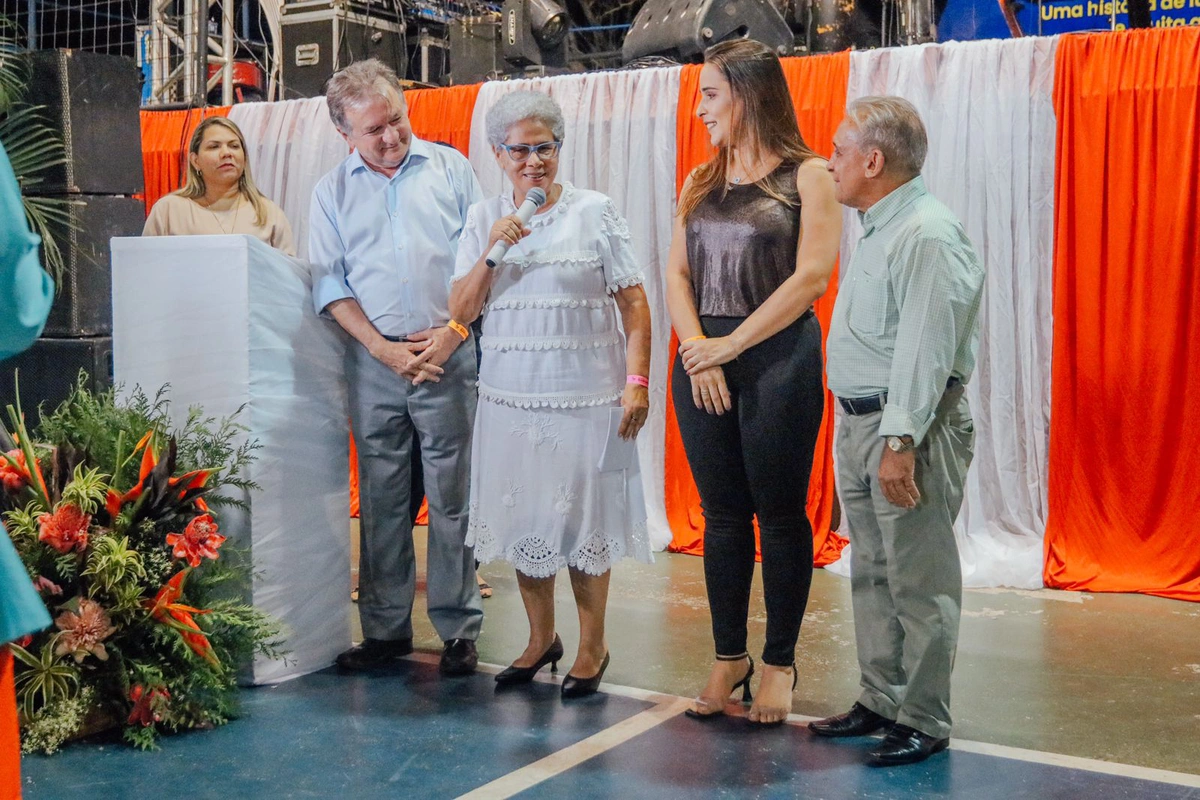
x,y
290,145
620,140
989,112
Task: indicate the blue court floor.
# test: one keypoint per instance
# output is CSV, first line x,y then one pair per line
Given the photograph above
x,y
408,733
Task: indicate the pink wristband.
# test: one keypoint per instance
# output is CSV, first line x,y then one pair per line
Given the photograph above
x,y
638,379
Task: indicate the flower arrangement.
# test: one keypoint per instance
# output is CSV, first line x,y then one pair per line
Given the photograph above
x,y
113,515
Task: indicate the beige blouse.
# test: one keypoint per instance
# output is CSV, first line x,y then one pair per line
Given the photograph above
x,y
173,215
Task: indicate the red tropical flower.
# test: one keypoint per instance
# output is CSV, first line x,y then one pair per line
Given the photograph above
x,y
165,608
189,481
114,500
14,473
147,705
66,529
198,540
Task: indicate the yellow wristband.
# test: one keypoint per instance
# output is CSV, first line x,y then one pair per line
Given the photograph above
x,y
459,328
693,338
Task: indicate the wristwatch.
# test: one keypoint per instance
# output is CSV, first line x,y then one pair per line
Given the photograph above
x,y
900,444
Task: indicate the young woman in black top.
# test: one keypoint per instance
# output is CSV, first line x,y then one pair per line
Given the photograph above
x,y
755,242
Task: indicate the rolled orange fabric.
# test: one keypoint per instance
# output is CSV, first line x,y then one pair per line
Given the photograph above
x,y
10,737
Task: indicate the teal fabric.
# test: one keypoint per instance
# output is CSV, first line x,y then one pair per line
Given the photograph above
x,y
26,293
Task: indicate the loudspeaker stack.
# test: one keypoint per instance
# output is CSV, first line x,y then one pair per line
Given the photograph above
x,y
92,102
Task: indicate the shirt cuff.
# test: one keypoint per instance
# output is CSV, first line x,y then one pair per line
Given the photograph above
x,y
898,422
329,289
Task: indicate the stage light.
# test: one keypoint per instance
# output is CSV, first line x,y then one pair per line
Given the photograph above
x,y
683,29
549,21
535,33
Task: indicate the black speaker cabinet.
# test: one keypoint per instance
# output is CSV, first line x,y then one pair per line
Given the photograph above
x,y
474,50
49,369
319,38
93,100
683,29
83,305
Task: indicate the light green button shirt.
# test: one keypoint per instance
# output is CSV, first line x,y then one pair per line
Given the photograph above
x,y
907,311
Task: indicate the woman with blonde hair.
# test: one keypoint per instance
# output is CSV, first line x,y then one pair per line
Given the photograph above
x,y
219,195
755,242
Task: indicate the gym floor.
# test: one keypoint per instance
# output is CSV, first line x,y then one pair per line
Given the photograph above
x,y
1056,694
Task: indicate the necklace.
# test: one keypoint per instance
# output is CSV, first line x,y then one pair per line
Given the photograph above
x,y
737,181
233,224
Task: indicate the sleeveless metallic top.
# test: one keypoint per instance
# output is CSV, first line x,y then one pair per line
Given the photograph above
x,y
742,246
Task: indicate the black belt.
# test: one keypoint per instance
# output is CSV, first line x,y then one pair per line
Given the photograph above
x,y
869,405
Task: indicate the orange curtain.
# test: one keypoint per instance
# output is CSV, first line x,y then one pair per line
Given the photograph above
x,y
1124,445
444,115
437,115
165,137
818,89
10,737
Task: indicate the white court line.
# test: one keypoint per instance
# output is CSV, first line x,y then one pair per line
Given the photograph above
x,y
570,757
1076,762
679,704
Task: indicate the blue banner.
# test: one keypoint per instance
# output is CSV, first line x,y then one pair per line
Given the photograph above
x,y
965,20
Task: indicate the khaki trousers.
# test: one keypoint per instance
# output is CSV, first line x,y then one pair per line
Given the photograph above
x,y
905,576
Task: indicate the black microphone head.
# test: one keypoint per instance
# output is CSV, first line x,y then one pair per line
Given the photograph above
x,y
536,195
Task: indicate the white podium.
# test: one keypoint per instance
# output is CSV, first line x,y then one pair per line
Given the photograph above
x,y
228,322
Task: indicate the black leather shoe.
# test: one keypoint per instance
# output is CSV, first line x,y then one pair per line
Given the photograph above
x,y
515,675
905,745
581,687
858,721
374,653
459,657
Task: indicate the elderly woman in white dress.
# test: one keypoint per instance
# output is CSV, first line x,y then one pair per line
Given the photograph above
x,y
554,366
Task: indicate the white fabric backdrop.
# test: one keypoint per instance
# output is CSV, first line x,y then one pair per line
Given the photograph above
x,y
620,140
991,162
988,108
290,145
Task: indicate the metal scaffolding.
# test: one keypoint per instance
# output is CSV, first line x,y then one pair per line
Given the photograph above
x,y
182,45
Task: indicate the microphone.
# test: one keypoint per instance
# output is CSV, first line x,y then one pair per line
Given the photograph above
x,y
533,201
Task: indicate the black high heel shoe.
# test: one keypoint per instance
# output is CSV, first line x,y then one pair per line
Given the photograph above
x,y
743,684
581,687
514,675
795,678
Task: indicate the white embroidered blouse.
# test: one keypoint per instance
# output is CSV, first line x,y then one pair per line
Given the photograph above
x,y
551,331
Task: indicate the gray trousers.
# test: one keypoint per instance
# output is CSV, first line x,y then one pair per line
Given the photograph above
x,y
905,575
385,409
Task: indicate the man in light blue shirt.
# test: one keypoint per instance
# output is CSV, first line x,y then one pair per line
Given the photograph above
x,y
383,235
901,348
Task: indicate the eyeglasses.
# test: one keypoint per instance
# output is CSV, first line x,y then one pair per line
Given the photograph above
x,y
521,152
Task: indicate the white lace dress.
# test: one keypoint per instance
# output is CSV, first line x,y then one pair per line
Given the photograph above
x,y
553,365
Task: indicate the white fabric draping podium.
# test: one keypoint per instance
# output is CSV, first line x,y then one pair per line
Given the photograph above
x,y
228,323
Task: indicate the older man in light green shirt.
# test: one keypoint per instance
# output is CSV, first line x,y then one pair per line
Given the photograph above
x,y
901,347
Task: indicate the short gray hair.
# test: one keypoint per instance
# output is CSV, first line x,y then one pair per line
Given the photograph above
x,y
892,126
357,83
519,106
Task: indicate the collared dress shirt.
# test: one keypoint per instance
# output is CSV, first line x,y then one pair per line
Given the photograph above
x,y
907,313
390,243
